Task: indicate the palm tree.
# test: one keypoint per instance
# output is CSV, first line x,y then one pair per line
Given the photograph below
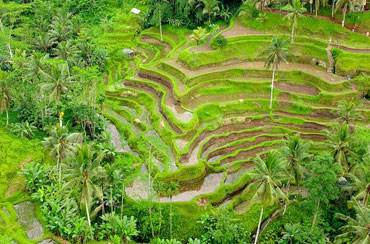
x,y
318,3
61,144
172,189
34,66
277,52
82,173
345,5
4,95
356,228
338,140
268,176
61,27
347,111
360,183
65,50
210,8
296,12
57,81
44,42
198,35
295,152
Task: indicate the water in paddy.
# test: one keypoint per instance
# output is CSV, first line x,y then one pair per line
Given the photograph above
x,y
117,142
210,184
234,177
131,110
27,219
154,138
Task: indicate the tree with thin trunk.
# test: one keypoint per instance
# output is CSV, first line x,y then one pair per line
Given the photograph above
x,y
82,173
5,86
276,53
347,111
338,141
172,189
317,5
268,176
321,184
346,6
61,144
296,11
357,229
295,152
57,81
360,183
211,7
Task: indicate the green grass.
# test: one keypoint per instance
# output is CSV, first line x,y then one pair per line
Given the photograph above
x,y
309,27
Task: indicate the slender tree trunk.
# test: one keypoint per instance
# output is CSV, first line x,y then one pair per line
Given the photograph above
x,y
102,200
315,216
344,14
259,226
286,203
60,169
332,9
272,86
292,38
7,117
317,3
171,216
160,22
87,213
123,190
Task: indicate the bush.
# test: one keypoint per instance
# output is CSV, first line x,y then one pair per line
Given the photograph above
x,y
219,42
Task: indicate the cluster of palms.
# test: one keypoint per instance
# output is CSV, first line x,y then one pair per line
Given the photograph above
x,y
287,164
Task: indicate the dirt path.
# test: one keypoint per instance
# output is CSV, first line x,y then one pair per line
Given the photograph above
x,y
259,65
297,88
240,30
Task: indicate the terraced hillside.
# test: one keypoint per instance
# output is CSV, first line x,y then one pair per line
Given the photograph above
x,y
205,113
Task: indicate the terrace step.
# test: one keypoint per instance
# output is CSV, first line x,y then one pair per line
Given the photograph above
x,y
330,59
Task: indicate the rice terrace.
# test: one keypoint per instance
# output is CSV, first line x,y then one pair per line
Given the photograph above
x,y
188,121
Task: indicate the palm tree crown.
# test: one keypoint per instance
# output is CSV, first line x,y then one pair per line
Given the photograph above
x,y
296,11
357,228
82,173
277,52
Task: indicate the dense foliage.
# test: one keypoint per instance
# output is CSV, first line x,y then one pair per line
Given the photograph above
x,y
57,63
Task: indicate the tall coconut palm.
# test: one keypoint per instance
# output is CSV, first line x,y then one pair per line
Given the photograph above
x,y
347,111
61,27
65,50
211,7
44,42
318,3
296,11
356,228
268,176
345,5
276,53
360,183
57,81
338,141
172,189
5,86
82,173
61,144
295,152
34,66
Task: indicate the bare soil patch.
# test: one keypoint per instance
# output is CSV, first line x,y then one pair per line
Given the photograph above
x,y
240,30
297,88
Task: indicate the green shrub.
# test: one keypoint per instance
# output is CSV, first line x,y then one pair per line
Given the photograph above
x,y
218,42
